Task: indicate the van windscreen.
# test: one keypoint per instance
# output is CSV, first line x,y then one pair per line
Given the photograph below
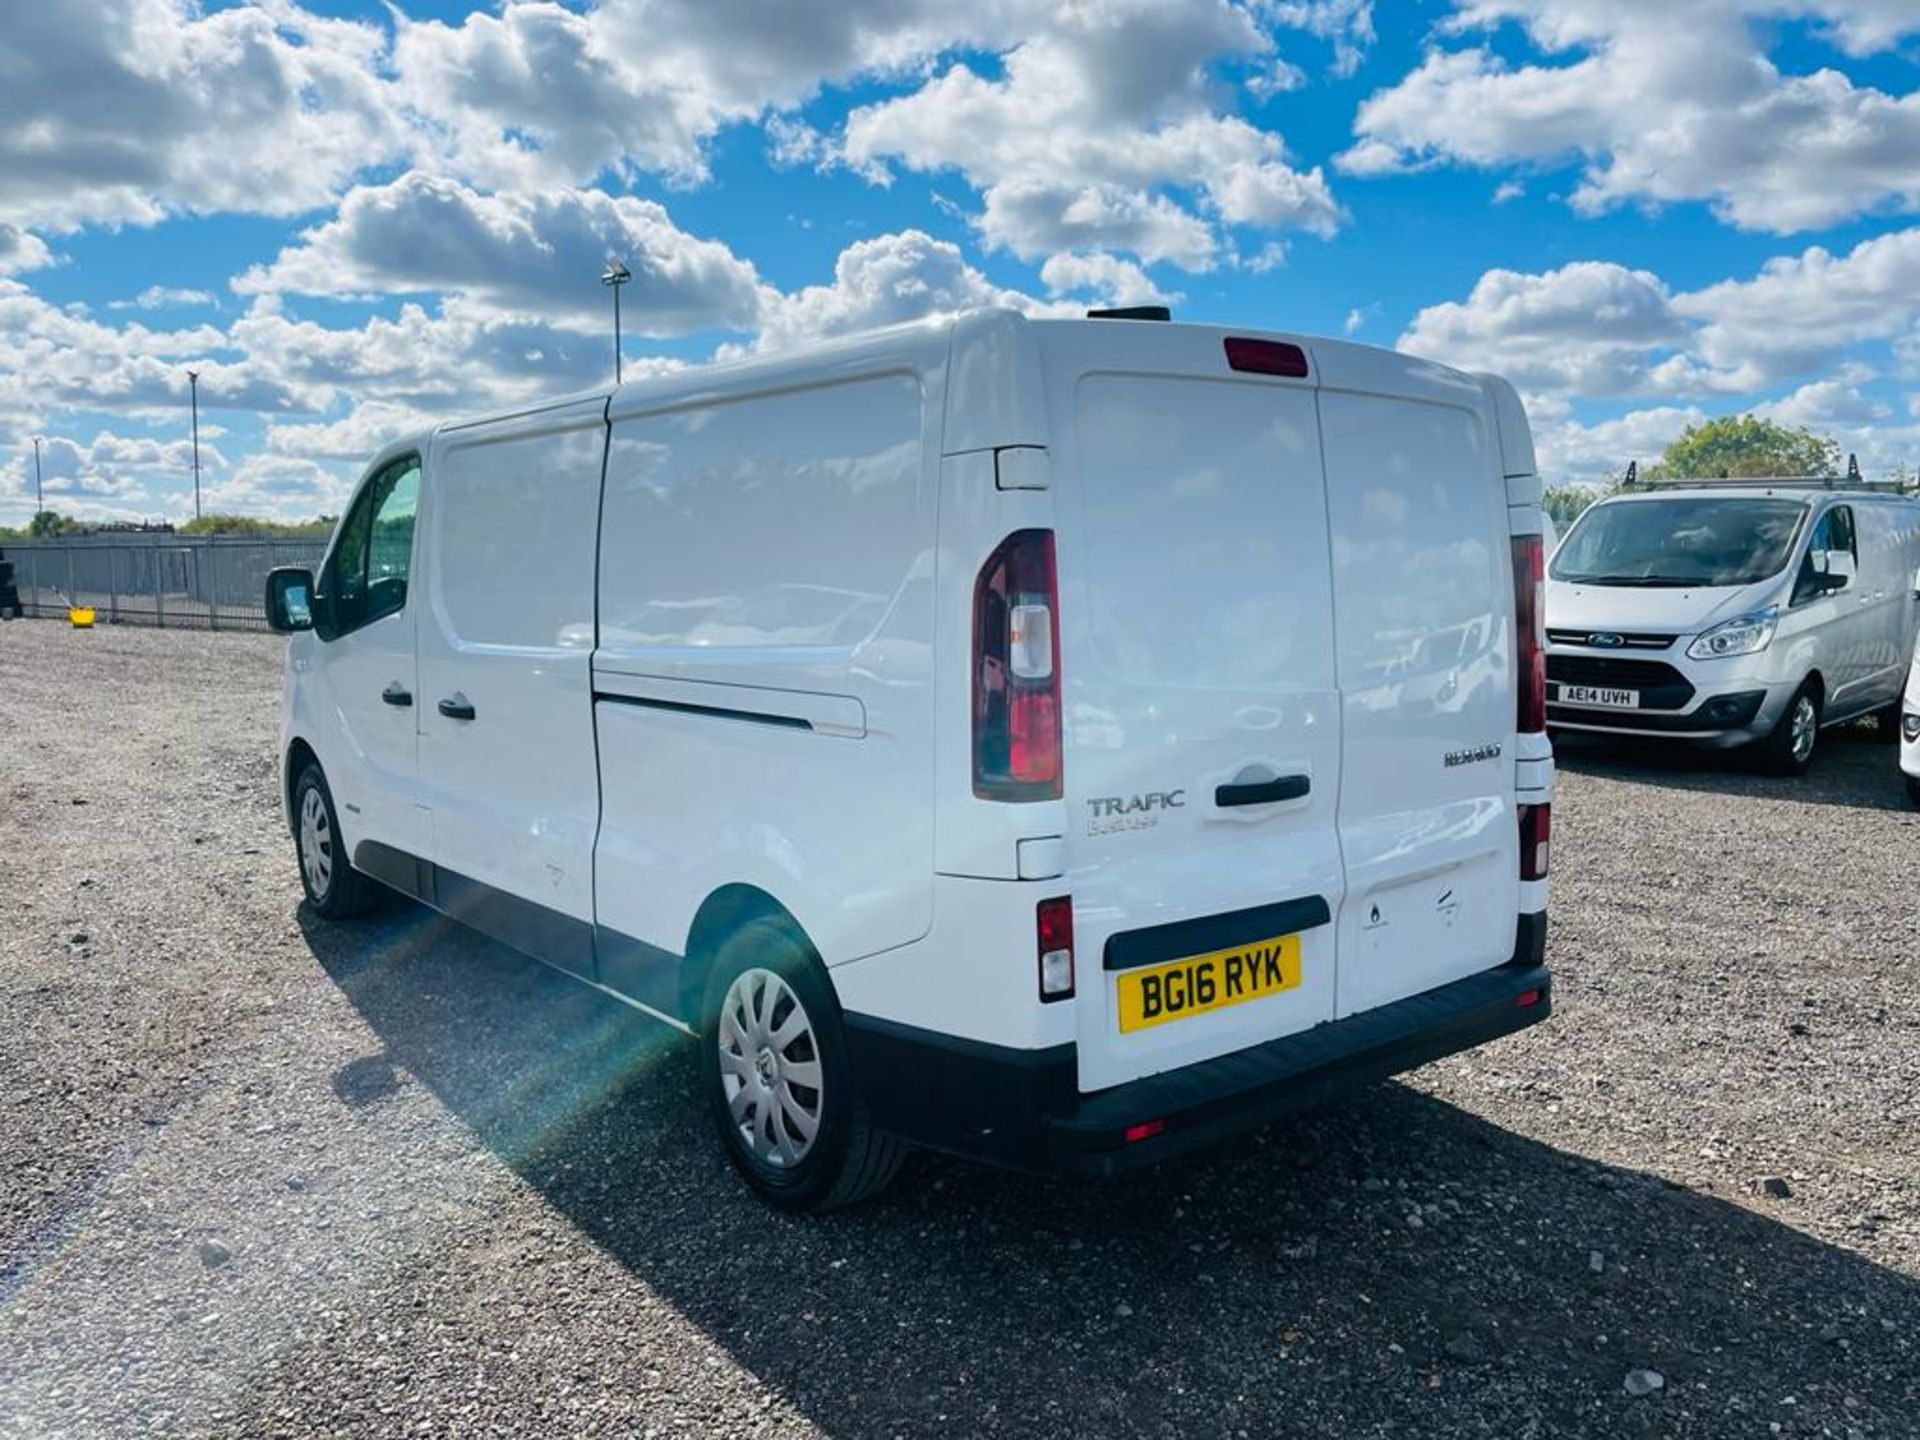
x,y
1682,540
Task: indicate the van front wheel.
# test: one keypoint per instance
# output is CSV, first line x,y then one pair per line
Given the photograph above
x,y
1788,750
334,888
775,1069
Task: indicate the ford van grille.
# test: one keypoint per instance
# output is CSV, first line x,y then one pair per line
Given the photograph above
x,y
1610,639
1661,686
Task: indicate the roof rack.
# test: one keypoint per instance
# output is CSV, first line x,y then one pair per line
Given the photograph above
x,y
1852,480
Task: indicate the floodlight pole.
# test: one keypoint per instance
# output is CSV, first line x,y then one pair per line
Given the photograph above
x,y
615,276
193,388
39,494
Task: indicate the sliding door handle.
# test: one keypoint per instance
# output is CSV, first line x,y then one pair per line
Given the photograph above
x,y
1263,792
457,707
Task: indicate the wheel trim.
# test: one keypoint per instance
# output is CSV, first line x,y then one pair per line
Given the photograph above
x,y
770,1071
1805,728
316,842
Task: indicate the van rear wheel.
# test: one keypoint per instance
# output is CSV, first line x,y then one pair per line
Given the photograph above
x,y
1788,750
778,1079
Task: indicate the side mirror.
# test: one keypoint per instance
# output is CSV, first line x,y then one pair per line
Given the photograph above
x,y
1826,582
289,599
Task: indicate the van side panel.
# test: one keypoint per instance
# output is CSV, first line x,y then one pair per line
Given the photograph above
x,y
764,678
508,559
1423,606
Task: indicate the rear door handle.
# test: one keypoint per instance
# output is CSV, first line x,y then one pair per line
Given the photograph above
x,y
457,707
1263,792
397,694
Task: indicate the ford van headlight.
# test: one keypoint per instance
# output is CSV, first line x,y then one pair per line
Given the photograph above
x,y
1741,635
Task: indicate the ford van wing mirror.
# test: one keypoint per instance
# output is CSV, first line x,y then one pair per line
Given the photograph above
x,y
289,599
1816,583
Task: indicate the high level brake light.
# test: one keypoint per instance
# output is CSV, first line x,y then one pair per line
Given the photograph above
x,y
1016,672
1530,626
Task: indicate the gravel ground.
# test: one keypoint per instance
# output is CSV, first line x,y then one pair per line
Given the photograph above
x,y
264,1176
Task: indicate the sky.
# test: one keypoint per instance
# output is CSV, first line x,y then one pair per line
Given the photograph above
x,y
356,219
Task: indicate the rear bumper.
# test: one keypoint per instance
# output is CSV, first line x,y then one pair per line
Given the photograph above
x,y
1022,1107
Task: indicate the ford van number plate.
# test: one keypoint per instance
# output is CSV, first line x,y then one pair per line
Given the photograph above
x,y
1156,994
1600,695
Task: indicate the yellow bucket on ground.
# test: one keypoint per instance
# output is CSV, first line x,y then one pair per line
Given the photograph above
x,y
81,616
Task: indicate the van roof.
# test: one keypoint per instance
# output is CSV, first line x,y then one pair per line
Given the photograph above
x,y
1008,334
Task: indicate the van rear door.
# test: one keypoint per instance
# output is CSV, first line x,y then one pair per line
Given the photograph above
x,y
1202,719
1423,606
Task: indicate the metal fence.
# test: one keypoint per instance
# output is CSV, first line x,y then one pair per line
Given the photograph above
x,y
200,581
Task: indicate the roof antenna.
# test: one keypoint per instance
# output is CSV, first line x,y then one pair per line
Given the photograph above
x,y
1853,469
1633,474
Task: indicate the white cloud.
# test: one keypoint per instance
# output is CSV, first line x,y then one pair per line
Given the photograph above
x,y
1587,328
53,358
540,94
1661,112
1095,121
21,250
1595,329
886,281
538,254
281,487
131,110
1569,450
363,430
108,468
1835,405
1801,311
1348,24
162,297
1117,281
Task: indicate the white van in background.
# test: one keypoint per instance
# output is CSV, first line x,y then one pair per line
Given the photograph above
x,y
1063,743
1910,728
1734,612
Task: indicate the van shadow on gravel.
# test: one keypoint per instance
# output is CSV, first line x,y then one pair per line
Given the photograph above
x,y
1392,1265
1853,768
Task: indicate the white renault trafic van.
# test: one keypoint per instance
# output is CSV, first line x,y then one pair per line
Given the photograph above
x,y
1063,743
1730,613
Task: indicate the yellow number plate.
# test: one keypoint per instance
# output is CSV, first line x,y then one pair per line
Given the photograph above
x,y
1155,994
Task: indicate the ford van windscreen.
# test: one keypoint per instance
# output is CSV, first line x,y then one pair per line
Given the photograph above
x,y
1682,541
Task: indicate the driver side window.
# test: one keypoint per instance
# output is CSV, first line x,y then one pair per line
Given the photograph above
x,y
1832,559
366,577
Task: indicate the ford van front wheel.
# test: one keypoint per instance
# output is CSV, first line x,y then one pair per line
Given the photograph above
x,y
1789,749
334,888
778,1081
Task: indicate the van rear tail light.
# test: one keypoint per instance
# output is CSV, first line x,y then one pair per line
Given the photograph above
x,y
1530,626
1053,931
1536,835
1016,672
1266,357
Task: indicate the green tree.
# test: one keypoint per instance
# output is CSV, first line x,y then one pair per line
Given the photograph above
x,y
253,525
1566,503
1745,445
49,522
